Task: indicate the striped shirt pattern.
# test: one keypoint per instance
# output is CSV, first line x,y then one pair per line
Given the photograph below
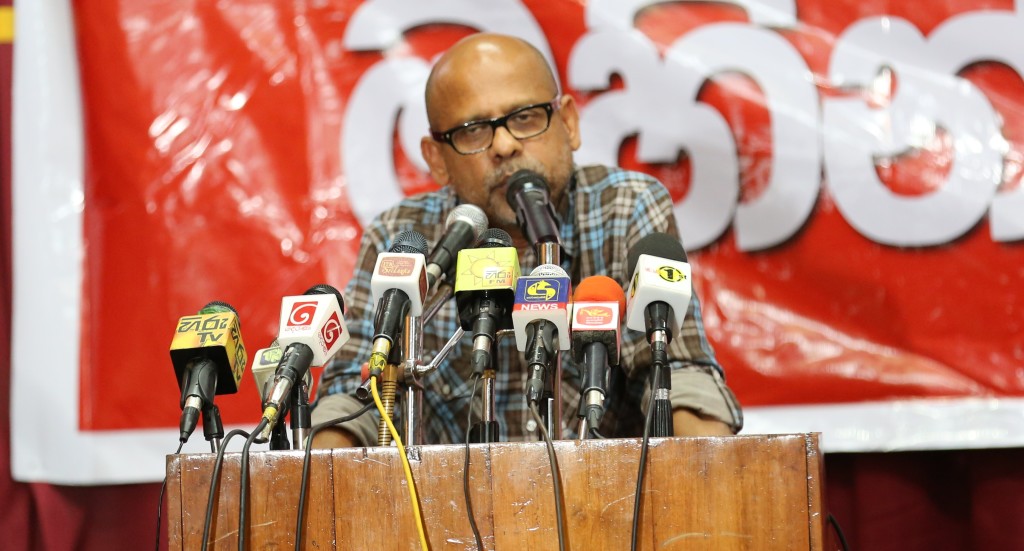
x,y
603,213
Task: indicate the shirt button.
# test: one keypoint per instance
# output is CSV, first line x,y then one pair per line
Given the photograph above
x,y
446,390
531,425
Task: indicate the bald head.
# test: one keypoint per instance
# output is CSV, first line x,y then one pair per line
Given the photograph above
x,y
484,79
459,69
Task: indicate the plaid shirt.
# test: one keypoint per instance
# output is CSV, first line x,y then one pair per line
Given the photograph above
x,y
602,214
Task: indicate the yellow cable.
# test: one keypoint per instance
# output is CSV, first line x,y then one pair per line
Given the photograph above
x,y
405,465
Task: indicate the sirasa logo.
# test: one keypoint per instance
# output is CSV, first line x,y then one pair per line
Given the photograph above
x,y
542,290
331,331
302,314
396,266
594,315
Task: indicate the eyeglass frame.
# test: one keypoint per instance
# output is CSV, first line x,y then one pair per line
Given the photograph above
x,y
550,107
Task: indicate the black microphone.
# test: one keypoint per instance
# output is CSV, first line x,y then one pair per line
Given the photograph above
x,y
529,197
463,227
540,317
597,304
659,295
209,358
400,284
312,330
485,280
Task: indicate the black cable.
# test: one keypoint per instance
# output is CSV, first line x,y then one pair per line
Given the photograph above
x,y
307,459
215,482
555,474
643,460
465,467
839,532
160,503
243,483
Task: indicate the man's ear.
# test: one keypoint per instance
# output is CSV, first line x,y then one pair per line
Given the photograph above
x,y
431,151
570,119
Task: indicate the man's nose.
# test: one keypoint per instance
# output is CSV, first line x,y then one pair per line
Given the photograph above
x,y
504,143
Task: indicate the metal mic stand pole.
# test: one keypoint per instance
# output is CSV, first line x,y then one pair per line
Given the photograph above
x,y
412,343
299,416
549,253
414,370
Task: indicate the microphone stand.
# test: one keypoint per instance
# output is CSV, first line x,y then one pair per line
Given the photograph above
x,y
414,370
661,378
549,252
299,416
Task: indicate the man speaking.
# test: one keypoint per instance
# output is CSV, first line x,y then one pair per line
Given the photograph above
x,y
494,109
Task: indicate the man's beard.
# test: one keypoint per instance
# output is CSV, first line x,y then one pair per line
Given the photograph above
x,y
557,178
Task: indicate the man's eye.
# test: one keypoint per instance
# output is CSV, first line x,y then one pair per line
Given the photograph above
x,y
474,130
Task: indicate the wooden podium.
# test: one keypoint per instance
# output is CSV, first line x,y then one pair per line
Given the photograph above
x,y
741,492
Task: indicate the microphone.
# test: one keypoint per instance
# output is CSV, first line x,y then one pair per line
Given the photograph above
x,y
312,330
539,316
659,295
485,282
209,358
659,291
597,302
399,285
463,227
529,197
264,365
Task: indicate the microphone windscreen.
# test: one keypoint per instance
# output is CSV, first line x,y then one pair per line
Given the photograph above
x,y
325,289
470,214
599,288
217,307
409,241
656,244
525,180
494,237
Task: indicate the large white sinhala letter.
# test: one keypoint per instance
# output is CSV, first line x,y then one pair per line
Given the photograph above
x,y
928,97
659,104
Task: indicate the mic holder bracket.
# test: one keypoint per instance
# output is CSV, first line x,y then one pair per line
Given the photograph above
x,y
661,383
213,428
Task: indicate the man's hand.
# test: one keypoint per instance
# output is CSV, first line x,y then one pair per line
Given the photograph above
x,y
689,423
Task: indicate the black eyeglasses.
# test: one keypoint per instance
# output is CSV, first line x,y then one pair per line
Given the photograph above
x,y
476,136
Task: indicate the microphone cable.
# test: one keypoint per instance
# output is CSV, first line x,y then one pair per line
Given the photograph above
x,y
307,459
160,503
555,474
465,468
405,463
643,459
215,483
243,483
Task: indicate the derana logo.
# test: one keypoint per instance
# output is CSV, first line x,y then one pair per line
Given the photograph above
x,y
331,331
302,314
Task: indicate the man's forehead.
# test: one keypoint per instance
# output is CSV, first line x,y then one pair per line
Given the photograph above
x,y
484,79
